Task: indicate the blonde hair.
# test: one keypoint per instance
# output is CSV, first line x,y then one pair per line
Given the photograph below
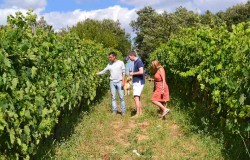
x,y
156,65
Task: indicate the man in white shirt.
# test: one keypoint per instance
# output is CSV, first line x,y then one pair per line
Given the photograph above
x,y
117,80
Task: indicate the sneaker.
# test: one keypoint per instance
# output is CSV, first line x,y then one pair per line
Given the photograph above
x,y
123,114
114,113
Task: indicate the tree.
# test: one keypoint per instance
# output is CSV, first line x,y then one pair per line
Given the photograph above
x,y
153,28
107,32
236,14
43,24
210,19
147,29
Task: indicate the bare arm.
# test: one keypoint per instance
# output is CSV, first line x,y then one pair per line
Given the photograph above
x,y
162,73
123,79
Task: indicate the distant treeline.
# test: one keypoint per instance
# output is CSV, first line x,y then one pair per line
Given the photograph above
x,y
154,28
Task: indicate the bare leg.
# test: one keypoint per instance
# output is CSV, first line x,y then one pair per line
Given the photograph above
x,y
161,106
164,104
138,105
140,108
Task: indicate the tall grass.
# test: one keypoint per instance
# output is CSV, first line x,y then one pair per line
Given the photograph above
x,y
97,134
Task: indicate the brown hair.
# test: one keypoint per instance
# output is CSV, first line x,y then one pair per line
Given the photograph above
x,y
156,65
133,53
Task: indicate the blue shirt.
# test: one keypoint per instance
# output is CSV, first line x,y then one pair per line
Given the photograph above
x,y
138,78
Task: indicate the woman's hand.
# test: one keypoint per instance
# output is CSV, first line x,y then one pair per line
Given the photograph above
x,y
162,91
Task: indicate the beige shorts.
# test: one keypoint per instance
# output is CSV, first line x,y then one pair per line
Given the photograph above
x,y
137,88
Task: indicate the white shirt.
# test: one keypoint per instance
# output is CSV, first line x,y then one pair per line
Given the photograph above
x,y
116,69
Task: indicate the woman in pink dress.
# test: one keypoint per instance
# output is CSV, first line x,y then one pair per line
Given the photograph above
x,y
160,96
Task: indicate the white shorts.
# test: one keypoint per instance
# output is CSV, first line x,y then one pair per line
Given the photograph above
x,y
137,88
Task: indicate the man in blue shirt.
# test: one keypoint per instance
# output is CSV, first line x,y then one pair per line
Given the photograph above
x,y
138,81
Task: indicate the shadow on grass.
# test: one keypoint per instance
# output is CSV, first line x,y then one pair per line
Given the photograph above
x,y
204,121
65,128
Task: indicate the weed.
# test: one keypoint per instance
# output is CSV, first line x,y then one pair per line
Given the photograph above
x,y
99,135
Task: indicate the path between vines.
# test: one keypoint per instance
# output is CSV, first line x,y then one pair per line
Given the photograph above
x,y
101,135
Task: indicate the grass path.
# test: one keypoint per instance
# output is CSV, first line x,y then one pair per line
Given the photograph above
x,y
100,135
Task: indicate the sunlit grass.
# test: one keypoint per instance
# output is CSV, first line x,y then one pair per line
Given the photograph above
x,y
100,135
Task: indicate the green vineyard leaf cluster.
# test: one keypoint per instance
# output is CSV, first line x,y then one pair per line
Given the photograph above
x,y
212,64
42,76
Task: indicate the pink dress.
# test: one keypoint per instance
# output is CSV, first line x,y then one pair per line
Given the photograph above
x,y
157,95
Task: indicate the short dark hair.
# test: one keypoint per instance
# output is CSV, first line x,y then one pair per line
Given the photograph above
x,y
113,54
133,53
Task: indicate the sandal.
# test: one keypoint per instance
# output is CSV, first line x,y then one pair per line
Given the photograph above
x,y
165,112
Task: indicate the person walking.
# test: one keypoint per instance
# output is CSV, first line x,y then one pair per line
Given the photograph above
x,y
160,96
117,79
138,77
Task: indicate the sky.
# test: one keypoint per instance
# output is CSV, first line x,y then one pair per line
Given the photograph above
x,y
66,13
